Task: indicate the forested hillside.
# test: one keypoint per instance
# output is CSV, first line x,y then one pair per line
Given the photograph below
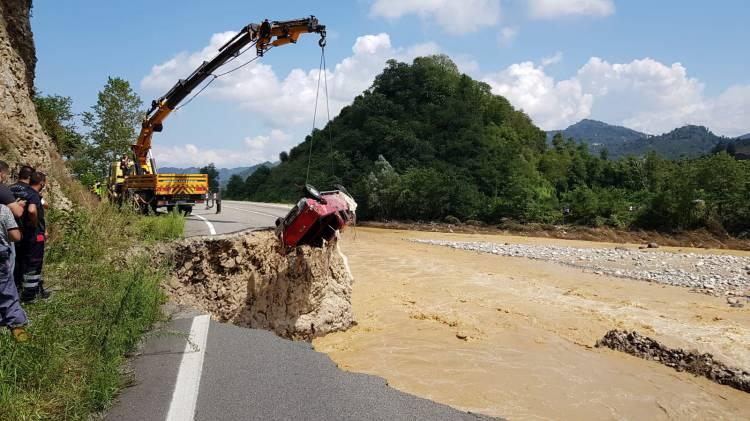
x,y
598,135
426,142
224,174
686,141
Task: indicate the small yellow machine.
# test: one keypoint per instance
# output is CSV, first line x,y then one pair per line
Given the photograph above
x,y
144,188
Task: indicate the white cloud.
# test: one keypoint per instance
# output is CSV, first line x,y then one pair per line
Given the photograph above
x,y
550,104
257,149
644,94
453,16
277,101
551,9
553,59
288,101
507,35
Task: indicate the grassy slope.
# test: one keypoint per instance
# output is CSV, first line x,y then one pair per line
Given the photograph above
x,y
108,296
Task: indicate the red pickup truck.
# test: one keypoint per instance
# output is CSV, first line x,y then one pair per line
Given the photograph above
x,y
317,217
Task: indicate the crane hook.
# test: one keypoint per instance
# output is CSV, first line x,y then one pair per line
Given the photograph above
x,y
322,41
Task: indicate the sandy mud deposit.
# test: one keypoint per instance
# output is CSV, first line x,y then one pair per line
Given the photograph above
x,y
515,337
244,280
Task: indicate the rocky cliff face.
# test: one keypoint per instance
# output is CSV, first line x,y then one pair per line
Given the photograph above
x,y
22,140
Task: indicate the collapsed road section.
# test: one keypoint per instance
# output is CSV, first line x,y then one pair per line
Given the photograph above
x,y
245,279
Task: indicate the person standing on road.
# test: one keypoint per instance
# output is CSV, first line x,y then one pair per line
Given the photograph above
x,y
11,313
34,238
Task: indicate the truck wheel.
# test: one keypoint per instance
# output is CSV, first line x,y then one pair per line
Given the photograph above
x,y
186,210
313,193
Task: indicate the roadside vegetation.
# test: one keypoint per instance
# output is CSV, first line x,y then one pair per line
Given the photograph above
x,y
427,143
106,296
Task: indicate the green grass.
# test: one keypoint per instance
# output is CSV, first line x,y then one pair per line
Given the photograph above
x,y
161,226
107,297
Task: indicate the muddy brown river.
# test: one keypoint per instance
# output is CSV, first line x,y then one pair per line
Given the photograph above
x,y
514,337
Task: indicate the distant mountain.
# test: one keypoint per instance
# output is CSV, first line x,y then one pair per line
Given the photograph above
x,y
738,147
598,135
224,173
742,147
687,141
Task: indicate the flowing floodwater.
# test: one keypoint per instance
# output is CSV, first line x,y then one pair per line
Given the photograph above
x,y
514,337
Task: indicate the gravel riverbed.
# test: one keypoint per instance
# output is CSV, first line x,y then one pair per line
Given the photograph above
x,y
712,274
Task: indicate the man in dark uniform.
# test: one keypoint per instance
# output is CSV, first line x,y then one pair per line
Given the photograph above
x,y
21,190
33,241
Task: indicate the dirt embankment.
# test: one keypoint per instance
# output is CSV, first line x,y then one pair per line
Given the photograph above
x,y
22,140
243,279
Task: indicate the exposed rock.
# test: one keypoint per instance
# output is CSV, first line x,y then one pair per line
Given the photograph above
x,y
681,360
243,279
22,140
652,245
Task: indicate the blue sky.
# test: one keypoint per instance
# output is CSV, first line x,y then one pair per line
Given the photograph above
x,y
648,65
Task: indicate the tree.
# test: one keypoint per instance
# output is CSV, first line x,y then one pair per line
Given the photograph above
x,y
235,188
256,179
454,148
112,124
213,176
57,119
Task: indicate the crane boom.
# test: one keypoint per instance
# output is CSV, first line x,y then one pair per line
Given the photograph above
x,y
264,35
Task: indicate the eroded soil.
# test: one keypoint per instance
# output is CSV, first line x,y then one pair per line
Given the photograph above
x,y
248,280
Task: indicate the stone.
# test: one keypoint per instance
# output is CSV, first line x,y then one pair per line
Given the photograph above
x,y
652,245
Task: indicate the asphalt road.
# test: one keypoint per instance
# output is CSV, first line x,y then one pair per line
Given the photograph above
x,y
249,374
224,372
235,216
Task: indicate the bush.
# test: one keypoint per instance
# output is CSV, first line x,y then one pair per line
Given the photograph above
x,y
450,219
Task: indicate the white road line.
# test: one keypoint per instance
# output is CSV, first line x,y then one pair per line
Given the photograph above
x,y
260,204
185,395
249,211
211,228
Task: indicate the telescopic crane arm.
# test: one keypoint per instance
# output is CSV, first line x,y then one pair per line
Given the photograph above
x,y
264,35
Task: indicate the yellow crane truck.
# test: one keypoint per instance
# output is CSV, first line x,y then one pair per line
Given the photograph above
x,y
144,188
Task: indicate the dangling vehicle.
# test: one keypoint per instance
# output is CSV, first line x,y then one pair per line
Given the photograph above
x,y
317,218
146,189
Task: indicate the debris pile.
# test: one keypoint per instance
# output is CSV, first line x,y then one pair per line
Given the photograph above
x,y
244,279
681,360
